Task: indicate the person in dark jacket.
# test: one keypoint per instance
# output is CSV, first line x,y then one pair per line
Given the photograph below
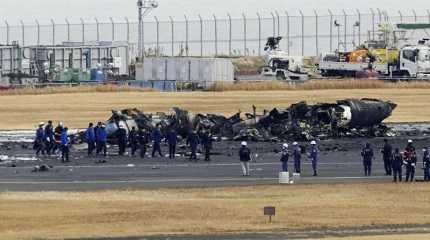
x,y
285,157
102,140
193,141
397,165
65,146
426,164
297,155
245,158
96,128
367,154
144,138
410,157
121,135
49,138
387,154
207,145
133,139
172,141
39,142
156,137
90,137
313,156
57,137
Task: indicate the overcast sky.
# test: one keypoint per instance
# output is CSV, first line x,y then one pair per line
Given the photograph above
x,y
28,10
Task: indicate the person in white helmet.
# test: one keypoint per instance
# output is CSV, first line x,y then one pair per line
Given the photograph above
x,y
245,158
297,154
313,156
285,157
410,156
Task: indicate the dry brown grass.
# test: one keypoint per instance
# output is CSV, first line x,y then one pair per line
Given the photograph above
x,y
75,89
77,109
317,85
248,65
386,237
48,215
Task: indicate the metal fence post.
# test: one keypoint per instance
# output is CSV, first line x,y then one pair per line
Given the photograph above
x,y
83,30
38,31
128,29
229,34
97,29
401,16
273,24
345,29
279,23
428,14
331,29
23,32
373,23
245,47
201,35
7,32
415,15
187,30
359,26
53,31
172,25
113,28
316,33
259,33
68,29
157,35
303,32
288,32
379,16
216,35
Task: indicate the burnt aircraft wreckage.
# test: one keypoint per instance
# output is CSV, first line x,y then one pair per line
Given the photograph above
x,y
301,121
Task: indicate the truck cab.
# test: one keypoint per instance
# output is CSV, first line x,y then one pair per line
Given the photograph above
x,y
414,61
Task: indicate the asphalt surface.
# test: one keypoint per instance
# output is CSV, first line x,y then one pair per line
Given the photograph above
x,y
340,162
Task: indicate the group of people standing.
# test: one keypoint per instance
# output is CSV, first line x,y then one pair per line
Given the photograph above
x,y
394,160
50,140
139,139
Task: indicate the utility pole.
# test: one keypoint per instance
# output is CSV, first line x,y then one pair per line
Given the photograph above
x,y
144,7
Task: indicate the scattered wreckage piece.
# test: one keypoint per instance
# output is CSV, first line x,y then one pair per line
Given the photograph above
x,y
300,121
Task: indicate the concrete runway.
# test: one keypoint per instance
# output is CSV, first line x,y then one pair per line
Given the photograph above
x,y
340,162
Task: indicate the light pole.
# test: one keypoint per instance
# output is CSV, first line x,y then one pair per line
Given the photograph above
x,y
337,25
144,7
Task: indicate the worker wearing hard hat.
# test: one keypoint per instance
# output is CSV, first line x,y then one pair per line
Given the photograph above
x,y
245,158
410,157
39,142
285,157
297,155
313,156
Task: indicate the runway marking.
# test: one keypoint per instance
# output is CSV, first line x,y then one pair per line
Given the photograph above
x,y
185,180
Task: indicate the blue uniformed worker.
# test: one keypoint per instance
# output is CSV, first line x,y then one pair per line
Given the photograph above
x,y
297,155
206,142
65,146
39,142
90,137
367,154
172,141
156,137
387,154
101,140
133,139
426,164
397,165
285,157
313,156
49,138
245,158
144,139
193,141
410,157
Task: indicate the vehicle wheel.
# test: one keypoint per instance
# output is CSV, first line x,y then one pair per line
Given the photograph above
x,y
280,76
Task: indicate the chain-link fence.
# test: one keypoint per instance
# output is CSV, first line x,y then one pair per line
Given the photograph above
x,y
304,34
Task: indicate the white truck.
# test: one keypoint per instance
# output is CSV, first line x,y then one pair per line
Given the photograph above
x,y
412,62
